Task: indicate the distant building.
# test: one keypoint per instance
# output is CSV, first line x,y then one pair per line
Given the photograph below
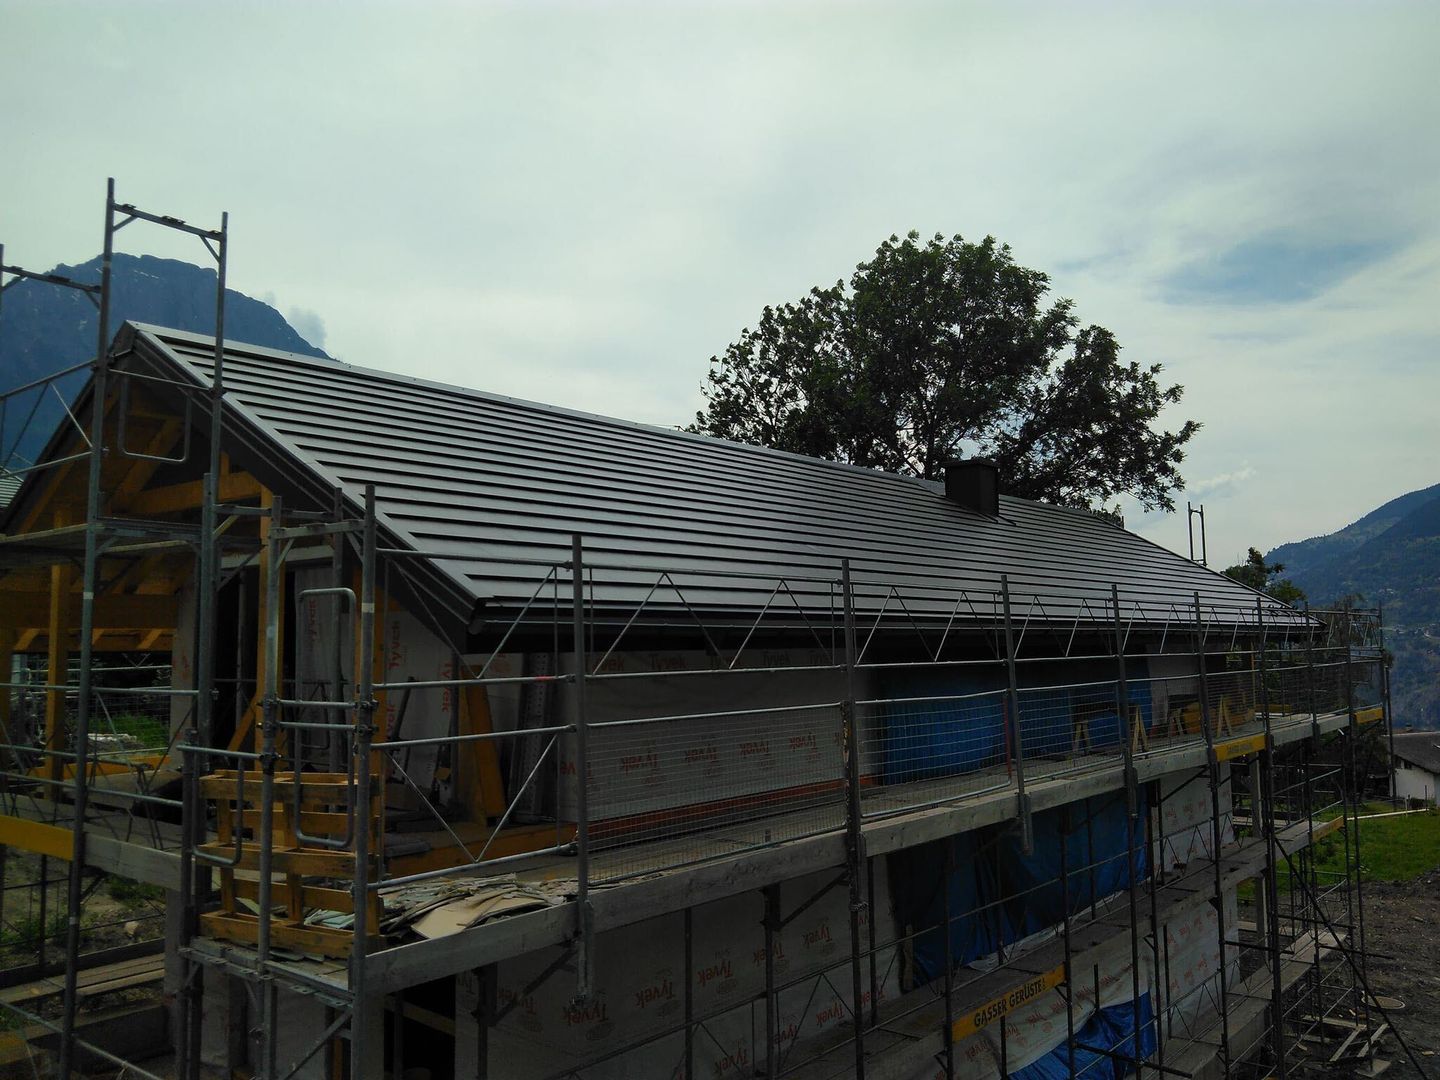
x,y
1417,765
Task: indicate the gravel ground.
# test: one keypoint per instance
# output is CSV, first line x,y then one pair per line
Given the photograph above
x,y
1402,934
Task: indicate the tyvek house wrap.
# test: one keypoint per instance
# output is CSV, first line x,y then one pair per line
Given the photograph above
x,y
641,984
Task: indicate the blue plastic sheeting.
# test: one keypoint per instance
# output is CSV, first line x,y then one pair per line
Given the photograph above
x,y
1050,719
918,876
1096,706
1098,855
926,739
989,866
1110,1029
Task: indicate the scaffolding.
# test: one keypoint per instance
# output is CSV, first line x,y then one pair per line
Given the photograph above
x,y
845,722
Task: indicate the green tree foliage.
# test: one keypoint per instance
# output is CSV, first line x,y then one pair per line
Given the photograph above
x,y
1265,577
944,348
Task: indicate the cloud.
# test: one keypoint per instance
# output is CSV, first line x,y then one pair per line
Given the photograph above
x,y
1219,486
582,203
308,324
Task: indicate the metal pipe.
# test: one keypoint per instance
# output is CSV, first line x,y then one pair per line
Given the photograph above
x,y
1213,766
89,586
1161,988
365,705
771,924
53,376
1265,812
191,825
584,919
689,991
217,374
1385,697
949,1032
482,736
854,837
1017,743
265,834
508,680
1132,870
467,868
1065,942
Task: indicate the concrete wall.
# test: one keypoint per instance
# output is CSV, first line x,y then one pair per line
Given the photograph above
x,y
641,983
1413,782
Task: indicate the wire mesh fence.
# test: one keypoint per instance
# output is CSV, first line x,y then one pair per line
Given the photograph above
x,y
743,779
920,751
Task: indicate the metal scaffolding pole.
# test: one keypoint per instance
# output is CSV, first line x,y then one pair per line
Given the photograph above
x,y
854,839
1265,815
269,731
584,917
1132,803
1013,710
192,879
1216,836
1065,942
363,1058
90,584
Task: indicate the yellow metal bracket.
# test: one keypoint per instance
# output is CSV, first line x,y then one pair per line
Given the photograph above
x,y
1233,748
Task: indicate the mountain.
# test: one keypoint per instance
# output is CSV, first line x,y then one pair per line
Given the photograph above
x,y
44,328
1306,556
1390,556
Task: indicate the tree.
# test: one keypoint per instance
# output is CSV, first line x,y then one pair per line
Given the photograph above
x,y
943,349
1263,577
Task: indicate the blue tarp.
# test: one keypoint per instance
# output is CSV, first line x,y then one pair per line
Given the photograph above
x,y
925,739
1110,1029
919,877
989,866
1095,854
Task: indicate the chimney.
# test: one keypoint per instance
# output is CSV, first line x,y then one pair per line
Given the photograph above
x,y
974,484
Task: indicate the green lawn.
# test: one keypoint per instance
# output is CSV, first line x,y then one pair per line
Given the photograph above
x,y
1391,848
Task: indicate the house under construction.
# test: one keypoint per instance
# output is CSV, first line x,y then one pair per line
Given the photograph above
x,y
444,734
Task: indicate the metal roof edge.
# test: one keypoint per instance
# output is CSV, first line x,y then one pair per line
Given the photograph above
x,y
151,340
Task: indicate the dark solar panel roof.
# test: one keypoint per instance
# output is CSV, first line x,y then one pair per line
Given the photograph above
x,y
493,479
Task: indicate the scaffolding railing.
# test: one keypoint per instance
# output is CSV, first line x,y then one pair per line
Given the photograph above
x,y
833,705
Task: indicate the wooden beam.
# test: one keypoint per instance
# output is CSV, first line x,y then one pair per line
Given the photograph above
x,y
31,610
478,780
246,723
233,487
36,836
58,666
7,658
142,469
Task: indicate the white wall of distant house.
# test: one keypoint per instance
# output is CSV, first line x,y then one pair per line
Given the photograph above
x,y
1413,782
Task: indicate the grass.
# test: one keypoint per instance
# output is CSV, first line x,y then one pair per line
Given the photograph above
x,y
132,893
24,933
1392,849
151,732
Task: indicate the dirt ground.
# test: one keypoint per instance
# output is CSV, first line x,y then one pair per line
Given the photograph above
x,y
1402,935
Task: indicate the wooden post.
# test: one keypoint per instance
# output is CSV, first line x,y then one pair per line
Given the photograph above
x,y
7,693
57,668
246,725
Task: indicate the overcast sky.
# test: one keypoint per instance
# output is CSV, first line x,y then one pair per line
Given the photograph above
x,y
582,203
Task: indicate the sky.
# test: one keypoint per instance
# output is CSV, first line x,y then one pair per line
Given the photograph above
x,y
582,203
